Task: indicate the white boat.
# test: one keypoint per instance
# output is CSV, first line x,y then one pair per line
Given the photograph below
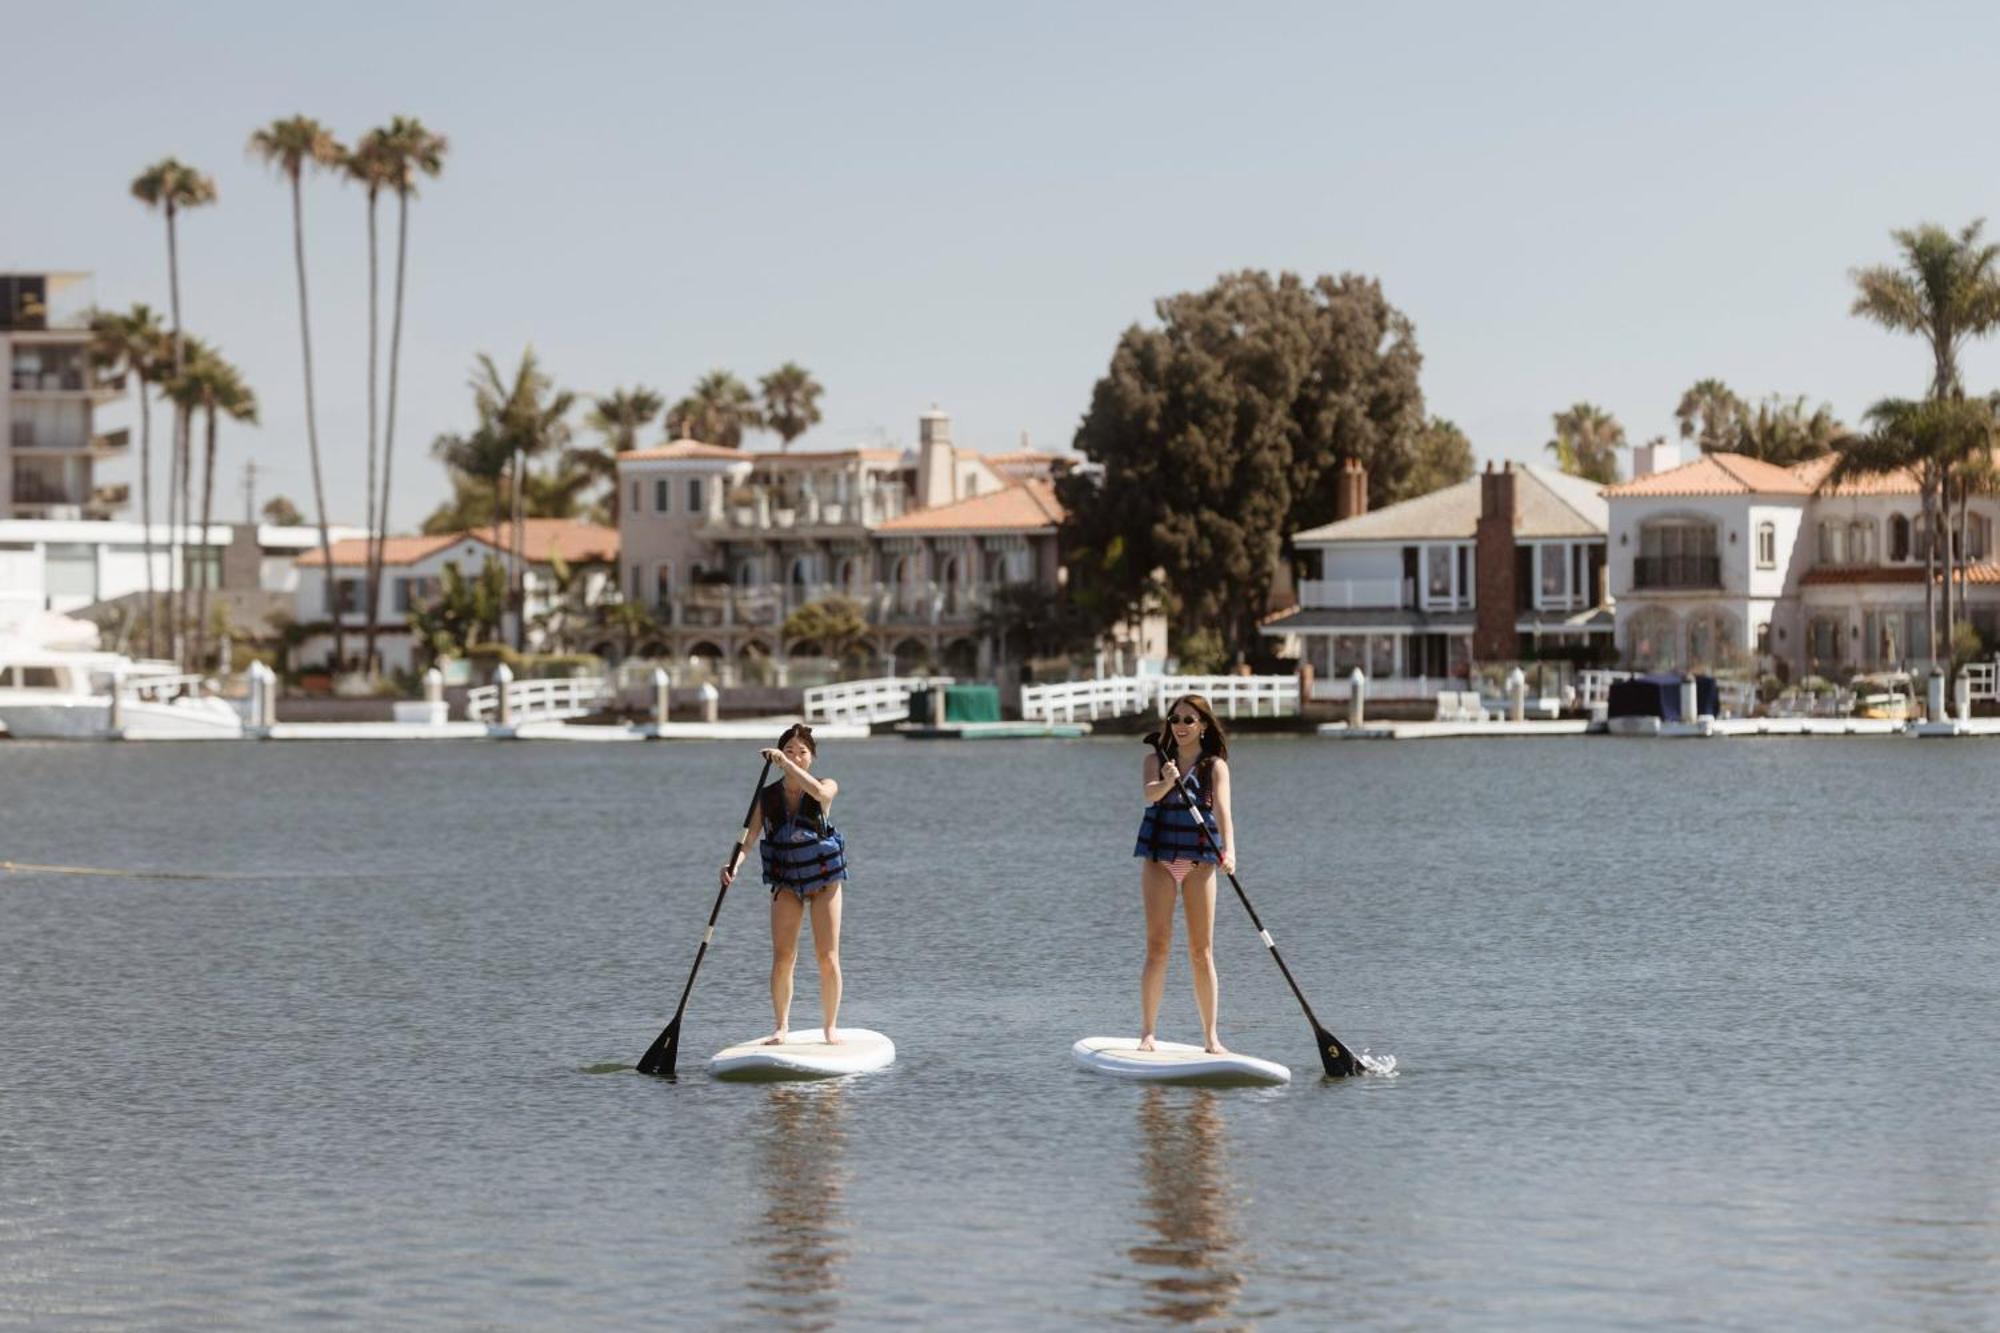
x,y
53,694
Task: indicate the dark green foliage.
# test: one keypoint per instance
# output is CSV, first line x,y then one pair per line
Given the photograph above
x,y
1219,432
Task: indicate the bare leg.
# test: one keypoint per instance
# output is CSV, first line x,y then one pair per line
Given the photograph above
x,y
1157,887
1198,902
787,914
826,944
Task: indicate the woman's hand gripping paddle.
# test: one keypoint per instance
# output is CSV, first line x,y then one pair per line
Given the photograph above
x,y
659,1057
1334,1057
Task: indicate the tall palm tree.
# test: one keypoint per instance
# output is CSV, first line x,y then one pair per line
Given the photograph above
x,y
171,186
1711,415
406,150
790,402
135,344
617,418
1946,290
1587,441
369,167
1784,432
716,411
527,415
209,384
291,145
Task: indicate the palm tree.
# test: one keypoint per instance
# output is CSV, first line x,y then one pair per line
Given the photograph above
x,y
717,411
369,166
617,418
406,151
1946,290
209,384
291,145
135,344
791,402
1587,441
1782,431
170,186
527,416
1711,415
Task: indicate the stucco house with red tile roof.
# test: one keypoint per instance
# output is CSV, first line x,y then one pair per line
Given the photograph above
x,y
1728,560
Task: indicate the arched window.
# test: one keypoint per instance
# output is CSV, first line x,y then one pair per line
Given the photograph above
x,y
1899,537
801,574
1677,553
1823,635
1767,545
1651,640
1711,639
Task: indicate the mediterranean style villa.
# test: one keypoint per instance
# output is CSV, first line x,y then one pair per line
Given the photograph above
x,y
723,544
1731,561
1505,566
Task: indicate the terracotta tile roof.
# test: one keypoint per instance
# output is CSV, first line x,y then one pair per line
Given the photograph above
x,y
685,449
1814,472
1028,505
1831,575
1716,474
542,538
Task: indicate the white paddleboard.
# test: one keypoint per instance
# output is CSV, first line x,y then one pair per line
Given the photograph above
x,y
1174,1062
804,1055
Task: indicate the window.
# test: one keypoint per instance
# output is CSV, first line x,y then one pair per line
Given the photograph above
x,y
1833,542
1555,574
1767,550
663,581
695,505
349,592
1677,553
1437,581
663,495
635,497
635,583
1764,640
1823,640
1978,536
1861,542
1899,537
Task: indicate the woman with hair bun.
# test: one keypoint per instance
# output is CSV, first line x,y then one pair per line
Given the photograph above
x,y
805,863
1192,766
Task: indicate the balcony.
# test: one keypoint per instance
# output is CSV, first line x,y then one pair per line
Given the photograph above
x,y
1668,573
112,441
72,438
1356,594
917,603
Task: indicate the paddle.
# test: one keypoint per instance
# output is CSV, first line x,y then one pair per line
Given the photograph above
x,y
1334,1057
659,1057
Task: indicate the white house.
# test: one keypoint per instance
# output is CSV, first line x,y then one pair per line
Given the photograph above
x,y
1731,561
1503,566
413,571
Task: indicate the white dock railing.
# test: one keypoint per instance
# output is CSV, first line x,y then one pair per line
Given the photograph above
x,y
1981,677
1125,696
882,699
548,700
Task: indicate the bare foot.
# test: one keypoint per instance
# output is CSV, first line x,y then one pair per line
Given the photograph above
x,y
778,1038
833,1038
1214,1046
1146,1042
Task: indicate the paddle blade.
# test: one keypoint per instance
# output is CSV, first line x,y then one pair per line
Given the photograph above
x,y
1335,1058
659,1057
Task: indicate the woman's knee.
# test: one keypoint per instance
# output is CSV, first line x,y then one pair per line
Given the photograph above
x,y
1202,953
829,958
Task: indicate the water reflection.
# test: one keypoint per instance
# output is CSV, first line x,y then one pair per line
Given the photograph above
x,y
1189,1204
799,1241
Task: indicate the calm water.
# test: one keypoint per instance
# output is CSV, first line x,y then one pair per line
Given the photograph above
x,y
1688,1034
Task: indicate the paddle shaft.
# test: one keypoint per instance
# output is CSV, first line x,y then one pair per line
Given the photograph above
x,y
1334,1055
666,1046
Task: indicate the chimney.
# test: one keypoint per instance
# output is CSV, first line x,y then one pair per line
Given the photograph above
x,y
1655,455
937,461
1350,490
1497,603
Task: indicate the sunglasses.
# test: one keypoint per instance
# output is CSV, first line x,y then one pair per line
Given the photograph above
x,y
1189,720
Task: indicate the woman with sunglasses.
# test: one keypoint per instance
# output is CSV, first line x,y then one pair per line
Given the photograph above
x,y
805,863
1179,861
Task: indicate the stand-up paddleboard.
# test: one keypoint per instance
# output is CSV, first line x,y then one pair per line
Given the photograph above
x,y
1175,1062
804,1055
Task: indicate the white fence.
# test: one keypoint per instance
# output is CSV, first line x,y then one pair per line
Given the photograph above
x,y
883,699
539,700
1981,677
1123,696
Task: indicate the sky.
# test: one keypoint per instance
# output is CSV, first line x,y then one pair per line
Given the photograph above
x,y
965,205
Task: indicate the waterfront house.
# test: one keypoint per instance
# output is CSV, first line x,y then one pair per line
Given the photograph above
x,y
1504,566
413,572
1727,560
721,545
50,446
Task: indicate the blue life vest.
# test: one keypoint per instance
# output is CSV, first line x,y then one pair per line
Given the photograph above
x,y
802,851
1168,831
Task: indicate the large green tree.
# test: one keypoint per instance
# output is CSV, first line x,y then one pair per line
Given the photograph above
x,y
1440,456
1217,432
1586,443
291,145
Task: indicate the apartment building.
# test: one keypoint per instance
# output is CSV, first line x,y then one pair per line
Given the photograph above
x,y
50,446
